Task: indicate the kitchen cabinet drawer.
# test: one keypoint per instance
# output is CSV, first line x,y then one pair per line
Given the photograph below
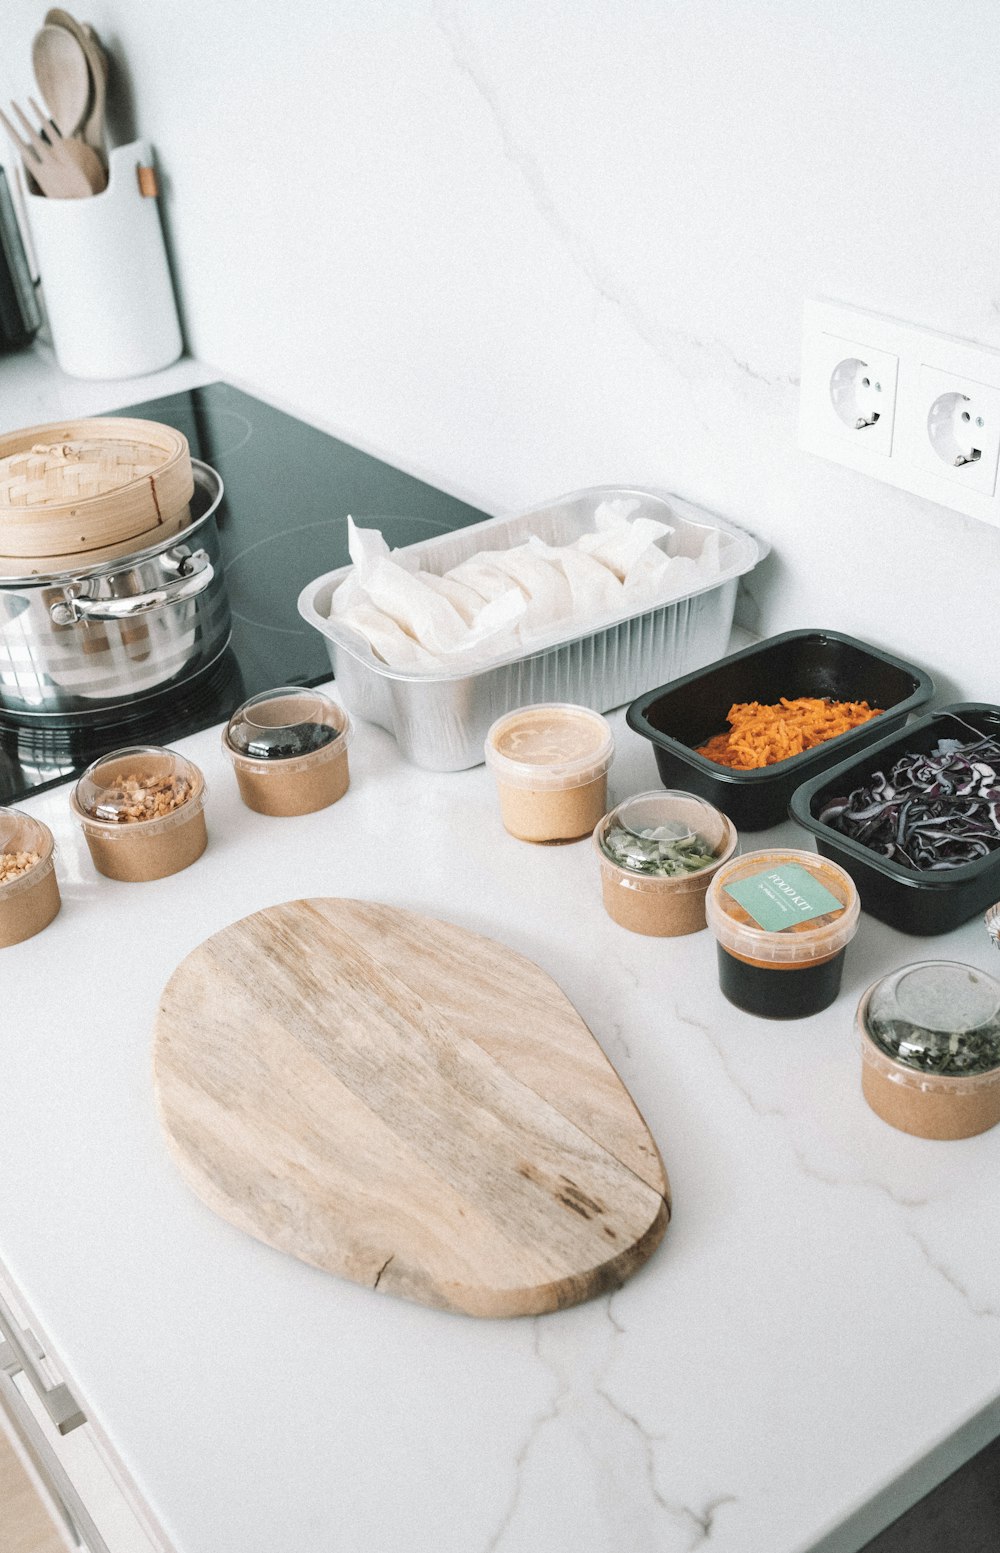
x,y
58,1490
29,1510
75,1467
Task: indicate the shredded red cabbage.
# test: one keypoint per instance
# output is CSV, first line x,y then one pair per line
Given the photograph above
x,y
933,811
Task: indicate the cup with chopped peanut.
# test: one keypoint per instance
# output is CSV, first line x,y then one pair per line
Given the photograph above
x,y
142,812
29,890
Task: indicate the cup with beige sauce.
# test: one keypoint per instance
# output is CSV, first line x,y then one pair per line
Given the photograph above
x,y
551,768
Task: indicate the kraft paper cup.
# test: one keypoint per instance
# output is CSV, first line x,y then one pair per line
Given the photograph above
x,y
137,850
992,920
259,739
929,1105
551,768
655,905
29,901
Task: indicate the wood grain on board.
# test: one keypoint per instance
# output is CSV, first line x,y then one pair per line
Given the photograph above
x,y
407,1104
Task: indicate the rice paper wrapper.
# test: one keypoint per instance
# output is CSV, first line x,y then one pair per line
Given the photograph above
x,y
499,600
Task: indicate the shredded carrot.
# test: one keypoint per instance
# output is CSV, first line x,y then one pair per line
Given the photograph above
x,y
762,735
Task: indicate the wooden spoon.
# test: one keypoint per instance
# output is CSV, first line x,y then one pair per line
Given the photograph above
x,y
97,64
63,77
89,163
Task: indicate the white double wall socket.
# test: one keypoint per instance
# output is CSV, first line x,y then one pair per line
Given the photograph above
x,y
915,409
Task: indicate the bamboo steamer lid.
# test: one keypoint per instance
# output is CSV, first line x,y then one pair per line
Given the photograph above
x,y
76,492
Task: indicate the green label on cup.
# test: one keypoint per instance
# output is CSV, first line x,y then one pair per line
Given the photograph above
x,y
783,896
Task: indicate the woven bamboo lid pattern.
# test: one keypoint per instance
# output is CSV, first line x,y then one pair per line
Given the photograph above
x,y
74,490
52,473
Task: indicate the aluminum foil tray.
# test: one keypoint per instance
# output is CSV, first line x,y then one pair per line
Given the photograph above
x,y
440,720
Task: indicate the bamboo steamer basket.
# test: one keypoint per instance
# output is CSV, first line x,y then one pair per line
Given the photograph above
x,y
78,492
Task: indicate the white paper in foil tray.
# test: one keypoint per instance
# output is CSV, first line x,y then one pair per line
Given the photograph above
x,y
499,600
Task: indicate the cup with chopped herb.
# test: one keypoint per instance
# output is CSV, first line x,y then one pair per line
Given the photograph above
x,y
658,853
29,889
289,751
142,813
930,1047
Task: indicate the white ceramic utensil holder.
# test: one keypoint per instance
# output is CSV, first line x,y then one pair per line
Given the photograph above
x,y
104,273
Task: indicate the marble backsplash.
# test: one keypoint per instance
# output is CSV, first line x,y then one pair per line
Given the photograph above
x,y
524,249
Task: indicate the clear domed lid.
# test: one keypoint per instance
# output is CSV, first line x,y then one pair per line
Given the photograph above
x,y
937,1017
142,782
550,746
664,834
782,906
285,724
24,843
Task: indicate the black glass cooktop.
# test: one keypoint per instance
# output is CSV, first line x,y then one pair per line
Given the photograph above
x,y
289,489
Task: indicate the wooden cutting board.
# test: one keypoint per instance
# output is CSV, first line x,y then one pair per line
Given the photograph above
x,y
407,1104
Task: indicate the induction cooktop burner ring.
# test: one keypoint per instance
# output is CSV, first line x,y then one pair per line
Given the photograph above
x,y
182,416
425,528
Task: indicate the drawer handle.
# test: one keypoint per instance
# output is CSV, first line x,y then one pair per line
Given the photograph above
x,y
194,576
44,1457
58,1401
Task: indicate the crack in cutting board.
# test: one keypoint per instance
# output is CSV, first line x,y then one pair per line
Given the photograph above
x,y
407,1104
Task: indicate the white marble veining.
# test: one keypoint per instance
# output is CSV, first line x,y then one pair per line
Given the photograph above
x,y
522,249
821,1316
543,248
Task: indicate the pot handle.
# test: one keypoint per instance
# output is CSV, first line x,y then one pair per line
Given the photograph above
x,y
194,575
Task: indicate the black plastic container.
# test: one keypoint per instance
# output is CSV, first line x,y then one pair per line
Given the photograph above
x,y
924,902
688,711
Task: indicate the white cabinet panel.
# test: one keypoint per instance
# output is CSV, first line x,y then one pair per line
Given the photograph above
x,y
68,1455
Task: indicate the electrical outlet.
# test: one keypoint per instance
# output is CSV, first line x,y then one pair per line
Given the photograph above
x,y
863,392
963,429
918,410
848,386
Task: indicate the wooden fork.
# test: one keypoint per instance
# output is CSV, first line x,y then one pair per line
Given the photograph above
x,y
63,169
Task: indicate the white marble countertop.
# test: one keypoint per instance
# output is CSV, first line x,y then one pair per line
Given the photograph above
x,y
816,1342
33,390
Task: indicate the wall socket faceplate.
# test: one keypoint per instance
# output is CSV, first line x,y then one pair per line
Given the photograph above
x,y
915,409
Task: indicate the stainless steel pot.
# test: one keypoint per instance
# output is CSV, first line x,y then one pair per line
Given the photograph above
x,y
83,642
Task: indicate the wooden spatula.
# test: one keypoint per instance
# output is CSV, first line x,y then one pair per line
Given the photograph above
x,y
62,168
